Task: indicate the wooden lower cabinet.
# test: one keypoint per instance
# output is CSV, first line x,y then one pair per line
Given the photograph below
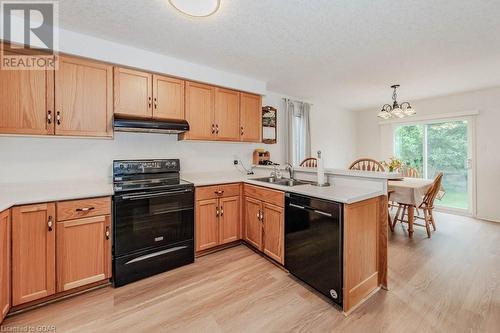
x,y
253,224
207,235
265,220
274,233
33,252
229,221
217,216
44,238
4,263
83,251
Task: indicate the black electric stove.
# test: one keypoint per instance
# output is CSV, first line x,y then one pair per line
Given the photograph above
x,y
153,219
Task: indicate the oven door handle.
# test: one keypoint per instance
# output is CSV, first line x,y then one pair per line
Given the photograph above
x,y
153,195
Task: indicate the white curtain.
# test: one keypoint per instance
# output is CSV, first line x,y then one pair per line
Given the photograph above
x,y
298,132
289,125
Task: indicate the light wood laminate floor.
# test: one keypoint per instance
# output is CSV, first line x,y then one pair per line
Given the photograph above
x,y
450,283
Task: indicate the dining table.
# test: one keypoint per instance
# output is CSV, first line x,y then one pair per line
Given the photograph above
x,y
410,192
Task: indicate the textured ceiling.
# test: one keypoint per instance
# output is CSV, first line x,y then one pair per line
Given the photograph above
x,y
347,50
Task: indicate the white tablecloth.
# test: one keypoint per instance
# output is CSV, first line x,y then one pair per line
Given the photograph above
x,y
409,191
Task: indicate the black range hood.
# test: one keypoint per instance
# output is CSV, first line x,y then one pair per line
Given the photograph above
x,y
165,126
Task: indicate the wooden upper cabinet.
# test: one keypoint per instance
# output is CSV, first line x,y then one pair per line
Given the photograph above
x,y
253,224
250,117
168,97
207,229
229,223
133,93
200,103
83,98
227,114
33,252
27,101
274,220
83,251
4,263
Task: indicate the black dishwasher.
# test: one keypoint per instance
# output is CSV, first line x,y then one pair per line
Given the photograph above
x,y
313,243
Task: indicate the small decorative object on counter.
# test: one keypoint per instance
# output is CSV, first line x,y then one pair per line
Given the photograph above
x,y
392,164
261,157
320,171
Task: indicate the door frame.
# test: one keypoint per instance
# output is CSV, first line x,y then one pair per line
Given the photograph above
x,y
471,150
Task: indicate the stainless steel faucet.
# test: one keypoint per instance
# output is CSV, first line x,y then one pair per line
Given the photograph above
x,y
289,167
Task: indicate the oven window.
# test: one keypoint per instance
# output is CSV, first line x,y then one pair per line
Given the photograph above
x,y
142,223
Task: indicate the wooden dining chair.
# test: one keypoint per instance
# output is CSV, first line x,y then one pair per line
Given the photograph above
x,y
310,162
367,164
410,172
427,206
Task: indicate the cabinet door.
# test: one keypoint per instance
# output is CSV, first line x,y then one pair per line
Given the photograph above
x,y
26,101
229,223
227,114
83,251
133,93
4,264
33,252
253,224
207,224
251,118
200,111
168,97
83,98
274,232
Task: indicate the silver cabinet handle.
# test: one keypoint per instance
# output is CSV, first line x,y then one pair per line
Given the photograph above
x,y
58,118
50,223
221,211
85,209
217,212
107,233
49,117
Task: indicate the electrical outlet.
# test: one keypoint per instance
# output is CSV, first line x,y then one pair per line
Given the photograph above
x,y
235,162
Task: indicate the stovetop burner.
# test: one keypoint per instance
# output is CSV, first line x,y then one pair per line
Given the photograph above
x,y
140,175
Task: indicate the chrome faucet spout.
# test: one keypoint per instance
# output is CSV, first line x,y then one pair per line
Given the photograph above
x,y
290,169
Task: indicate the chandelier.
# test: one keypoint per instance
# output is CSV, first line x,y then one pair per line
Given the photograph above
x,y
396,110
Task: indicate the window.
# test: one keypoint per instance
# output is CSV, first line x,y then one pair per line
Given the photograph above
x,y
439,147
299,134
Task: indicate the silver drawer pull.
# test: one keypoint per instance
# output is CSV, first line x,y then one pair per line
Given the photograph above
x,y
156,254
323,213
85,209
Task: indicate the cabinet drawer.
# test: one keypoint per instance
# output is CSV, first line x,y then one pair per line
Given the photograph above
x,y
217,191
229,190
74,209
206,192
274,197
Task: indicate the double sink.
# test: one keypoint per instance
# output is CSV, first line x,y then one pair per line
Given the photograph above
x,y
283,181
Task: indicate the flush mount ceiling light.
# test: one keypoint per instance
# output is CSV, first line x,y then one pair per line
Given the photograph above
x,y
196,8
396,110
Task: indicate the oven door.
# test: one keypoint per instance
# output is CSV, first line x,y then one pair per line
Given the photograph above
x,y
152,219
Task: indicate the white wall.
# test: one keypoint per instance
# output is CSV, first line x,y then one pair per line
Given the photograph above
x,y
374,140
333,131
25,159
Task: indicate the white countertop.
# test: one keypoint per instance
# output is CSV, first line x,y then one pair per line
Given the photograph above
x,y
339,193
31,193
339,172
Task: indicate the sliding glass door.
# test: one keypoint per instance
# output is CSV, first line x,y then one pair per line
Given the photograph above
x,y
441,146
